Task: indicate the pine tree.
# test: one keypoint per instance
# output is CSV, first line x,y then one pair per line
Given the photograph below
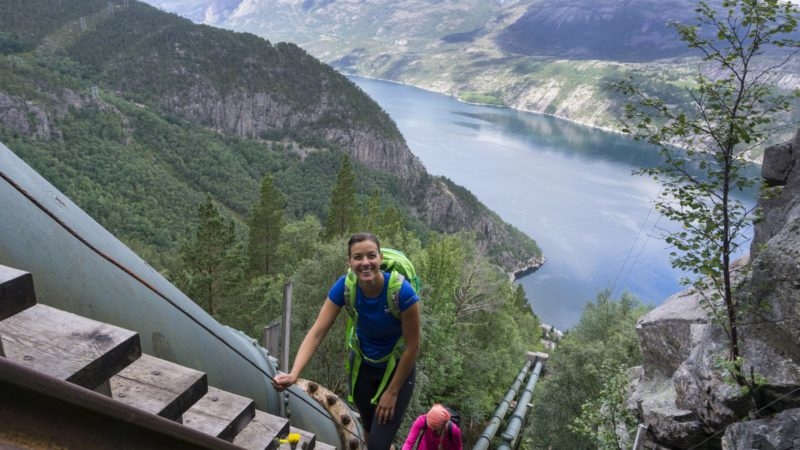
x,y
372,213
386,222
342,212
266,224
212,260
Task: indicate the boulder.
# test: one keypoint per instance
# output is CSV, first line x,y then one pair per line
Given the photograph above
x,y
665,333
772,293
783,200
653,397
779,432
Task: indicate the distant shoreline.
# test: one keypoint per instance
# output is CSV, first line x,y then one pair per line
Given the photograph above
x,y
528,267
530,111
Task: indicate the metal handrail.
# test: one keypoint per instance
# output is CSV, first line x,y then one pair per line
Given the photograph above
x,y
488,433
518,416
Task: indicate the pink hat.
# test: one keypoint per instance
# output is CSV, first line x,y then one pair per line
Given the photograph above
x,y
437,416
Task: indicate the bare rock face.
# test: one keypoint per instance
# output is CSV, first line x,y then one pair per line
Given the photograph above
x,y
654,401
248,114
716,400
391,156
779,432
682,393
781,174
23,117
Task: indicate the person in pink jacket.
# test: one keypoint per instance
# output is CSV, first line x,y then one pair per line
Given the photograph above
x,y
434,431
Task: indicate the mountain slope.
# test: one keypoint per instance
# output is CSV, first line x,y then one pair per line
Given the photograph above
x,y
550,56
136,114
629,30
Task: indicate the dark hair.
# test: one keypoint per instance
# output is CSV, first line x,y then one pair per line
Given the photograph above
x,y
361,237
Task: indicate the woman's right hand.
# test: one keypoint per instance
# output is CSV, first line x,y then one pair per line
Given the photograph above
x,y
283,381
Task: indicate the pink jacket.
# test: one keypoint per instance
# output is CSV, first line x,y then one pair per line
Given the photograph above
x,y
450,440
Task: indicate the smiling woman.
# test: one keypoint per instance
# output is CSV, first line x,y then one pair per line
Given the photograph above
x,y
383,346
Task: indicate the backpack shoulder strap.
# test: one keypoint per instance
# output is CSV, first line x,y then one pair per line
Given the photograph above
x,y
393,292
350,293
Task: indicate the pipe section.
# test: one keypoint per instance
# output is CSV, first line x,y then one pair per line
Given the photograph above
x,y
488,433
520,412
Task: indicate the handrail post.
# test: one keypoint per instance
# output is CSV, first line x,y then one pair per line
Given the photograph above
x,y
286,326
641,433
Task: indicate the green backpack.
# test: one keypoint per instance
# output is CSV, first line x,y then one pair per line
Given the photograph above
x,y
401,269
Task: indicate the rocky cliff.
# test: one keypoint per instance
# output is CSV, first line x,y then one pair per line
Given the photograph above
x,y
680,393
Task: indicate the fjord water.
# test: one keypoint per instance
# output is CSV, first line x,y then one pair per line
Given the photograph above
x,y
569,187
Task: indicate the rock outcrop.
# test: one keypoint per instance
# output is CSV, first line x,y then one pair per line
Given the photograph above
x,y
248,114
681,392
779,432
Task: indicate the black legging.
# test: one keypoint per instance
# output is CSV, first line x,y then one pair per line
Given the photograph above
x,y
381,436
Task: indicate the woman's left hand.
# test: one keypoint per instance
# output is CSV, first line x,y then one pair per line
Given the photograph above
x,y
385,409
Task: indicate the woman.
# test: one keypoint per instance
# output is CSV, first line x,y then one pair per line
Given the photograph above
x,y
434,431
378,332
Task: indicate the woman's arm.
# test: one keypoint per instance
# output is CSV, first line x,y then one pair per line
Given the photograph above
x,y
410,322
325,319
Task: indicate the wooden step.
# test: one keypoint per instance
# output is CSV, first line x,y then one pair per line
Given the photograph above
x,y
308,440
220,413
16,291
67,346
263,432
108,359
158,386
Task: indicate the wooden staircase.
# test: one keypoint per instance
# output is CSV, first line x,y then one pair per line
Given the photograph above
x,y
67,381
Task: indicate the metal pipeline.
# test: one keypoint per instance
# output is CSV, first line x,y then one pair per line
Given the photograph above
x,y
80,267
518,416
500,412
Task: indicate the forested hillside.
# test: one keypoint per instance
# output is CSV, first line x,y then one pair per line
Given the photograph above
x,y
138,114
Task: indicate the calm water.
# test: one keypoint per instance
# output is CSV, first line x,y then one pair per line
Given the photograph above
x,y
569,187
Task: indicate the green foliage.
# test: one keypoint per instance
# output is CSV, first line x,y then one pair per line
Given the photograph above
x,y
342,212
481,99
157,58
733,110
583,366
27,23
266,223
298,241
253,305
213,260
606,420
315,274
384,220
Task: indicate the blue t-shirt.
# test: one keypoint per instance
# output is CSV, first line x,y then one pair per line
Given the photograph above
x,y
377,329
